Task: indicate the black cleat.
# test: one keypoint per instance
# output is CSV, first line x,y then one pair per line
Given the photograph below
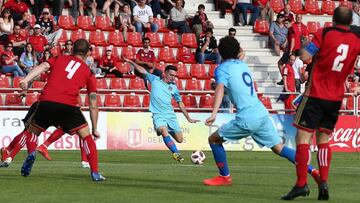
x,y
296,192
323,191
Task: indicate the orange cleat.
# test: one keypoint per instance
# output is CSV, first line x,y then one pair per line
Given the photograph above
x,y
218,181
42,149
4,153
316,175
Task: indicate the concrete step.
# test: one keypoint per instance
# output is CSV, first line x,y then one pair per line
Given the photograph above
x,y
270,75
262,59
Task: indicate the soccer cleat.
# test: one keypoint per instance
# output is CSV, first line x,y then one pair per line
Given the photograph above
x,y
323,191
4,153
42,149
28,164
316,175
296,192
6,163
178,157
97,177
218,181
85,164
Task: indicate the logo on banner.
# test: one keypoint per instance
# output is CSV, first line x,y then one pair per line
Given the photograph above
x,y
346,138
134,137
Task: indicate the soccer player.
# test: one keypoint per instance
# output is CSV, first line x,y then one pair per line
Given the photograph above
x,y
164,118
334,51
252,118
58,104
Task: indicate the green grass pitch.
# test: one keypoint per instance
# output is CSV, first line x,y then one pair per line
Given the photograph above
x,y
153,176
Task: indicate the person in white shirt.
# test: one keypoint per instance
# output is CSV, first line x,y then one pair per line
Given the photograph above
x,y
297,66
356,14
143,17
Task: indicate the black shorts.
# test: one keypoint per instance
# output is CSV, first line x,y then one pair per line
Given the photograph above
x,y
69,118
317,114
30,114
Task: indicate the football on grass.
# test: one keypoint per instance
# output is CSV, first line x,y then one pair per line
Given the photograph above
x,y
198,157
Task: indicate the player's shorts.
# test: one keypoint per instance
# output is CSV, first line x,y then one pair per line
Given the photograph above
x,y
166,120
30,114
262,130
314,113
69,118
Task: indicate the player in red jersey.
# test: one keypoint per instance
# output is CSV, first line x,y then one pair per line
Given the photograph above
x,y
58,104
334,51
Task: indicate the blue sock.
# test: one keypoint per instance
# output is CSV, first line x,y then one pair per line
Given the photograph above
x,y
170,144
289,154
220,158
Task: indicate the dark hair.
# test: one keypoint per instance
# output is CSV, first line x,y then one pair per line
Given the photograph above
x,y
229,48
47,50
8,43
170,67
232,29
209,30
6,10
145,39
81,47
342,16
201,6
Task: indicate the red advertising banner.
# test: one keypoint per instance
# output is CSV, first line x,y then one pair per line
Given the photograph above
x,y
345,137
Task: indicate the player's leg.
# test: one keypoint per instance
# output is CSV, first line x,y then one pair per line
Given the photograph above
x,y
168,141
8,153
42,149
176,133
31,143
84,160
324,155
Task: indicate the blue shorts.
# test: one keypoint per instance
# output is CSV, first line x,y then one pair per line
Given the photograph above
x,y
262,130
166,120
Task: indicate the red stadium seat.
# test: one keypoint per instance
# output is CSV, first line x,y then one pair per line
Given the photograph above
x,y
328,7
262,27
346,3
212,70
118,83
185,55
206,101
101,83
312,27
154,39
189,101
4,82
134,39
77,34
312,6
198,71
161,65
178,84
328,24
267,103
146,100
103,23
193,85
55,51
31,98
16,82
112,100
95,53
116,38
162,25
123,67
171,39
97,38
296,6
38,84
189,40
13,99
208,85
98,100
128,52
1,101
182,70
131,100
277,5
85,23
66,22
136,84
63,38
166,54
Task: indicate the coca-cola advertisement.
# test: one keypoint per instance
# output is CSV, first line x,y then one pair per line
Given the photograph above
x,y
345,137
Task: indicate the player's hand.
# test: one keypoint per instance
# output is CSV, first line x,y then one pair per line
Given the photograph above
x,y
210,120
96,134
193,120
24,84
22,94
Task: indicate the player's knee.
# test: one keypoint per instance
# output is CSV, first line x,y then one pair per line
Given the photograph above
x,y
214,139
179,139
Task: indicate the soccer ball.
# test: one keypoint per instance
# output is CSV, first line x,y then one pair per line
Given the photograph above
x,y
198,157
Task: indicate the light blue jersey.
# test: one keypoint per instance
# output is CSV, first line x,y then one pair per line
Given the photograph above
x,y
237,79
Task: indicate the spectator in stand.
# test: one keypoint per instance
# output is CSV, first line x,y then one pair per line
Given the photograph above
x,y
117,5
6,25
18,40
207,49
229,4
9,61
288,15
17,8
48,28
266,12
232,33
28,59
39,42
298,66
123,21
47,55
143,17
37,7
243,6
89,4
278,34
356,14
24,23
91,63
298,34
68,47
289,84
199,21
107,63
156,8
286,54
145,57
178,18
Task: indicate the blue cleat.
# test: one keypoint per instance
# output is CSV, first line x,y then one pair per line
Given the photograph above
x,y
28,164
97,177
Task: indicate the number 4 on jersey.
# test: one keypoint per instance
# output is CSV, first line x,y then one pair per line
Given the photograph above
x,y
343,50
71,68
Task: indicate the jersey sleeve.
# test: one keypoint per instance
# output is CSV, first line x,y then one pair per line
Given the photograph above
x,y
51,62
285,71
176,94
91,84
221,76
150,77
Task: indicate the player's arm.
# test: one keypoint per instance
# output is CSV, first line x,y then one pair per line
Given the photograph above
x,y
94,114
219,94
311,48
137,67
43,67
186,114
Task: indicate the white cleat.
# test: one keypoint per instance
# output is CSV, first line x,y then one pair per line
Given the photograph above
x,y
85,164
6,163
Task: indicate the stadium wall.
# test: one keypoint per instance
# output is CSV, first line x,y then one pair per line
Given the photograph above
x,y
134,131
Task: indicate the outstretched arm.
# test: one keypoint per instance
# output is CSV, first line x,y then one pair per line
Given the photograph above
x,y
183,110
219,93
94,114
139,68
43,67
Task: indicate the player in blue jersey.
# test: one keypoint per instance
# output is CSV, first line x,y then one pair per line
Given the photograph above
x,y
164,118
252,118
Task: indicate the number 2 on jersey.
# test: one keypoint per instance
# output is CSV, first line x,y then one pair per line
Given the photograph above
x,y
248,81
71,68
343,50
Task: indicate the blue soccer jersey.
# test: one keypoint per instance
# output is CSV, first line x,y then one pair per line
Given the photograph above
x,y
161,95
238,81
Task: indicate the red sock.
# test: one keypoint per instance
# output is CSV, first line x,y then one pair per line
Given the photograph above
x,y
83,153
302,159
14,141
54,136
324,159
18,143
31,141
91,152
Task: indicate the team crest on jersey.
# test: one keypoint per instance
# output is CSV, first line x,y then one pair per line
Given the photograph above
x,y
170,88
